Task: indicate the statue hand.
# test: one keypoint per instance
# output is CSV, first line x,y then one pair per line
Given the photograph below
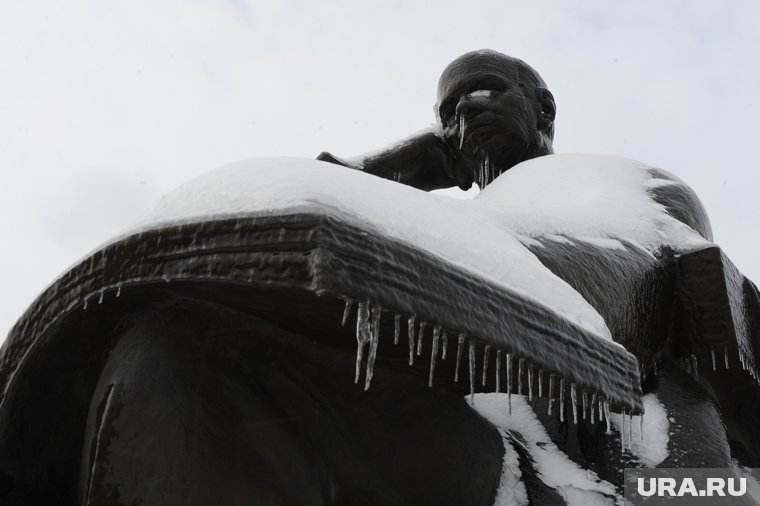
x,y
325,156
423,161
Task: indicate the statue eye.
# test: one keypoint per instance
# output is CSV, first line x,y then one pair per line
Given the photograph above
x,y
446,112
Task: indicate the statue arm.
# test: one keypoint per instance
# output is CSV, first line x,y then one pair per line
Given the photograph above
x,y
424,161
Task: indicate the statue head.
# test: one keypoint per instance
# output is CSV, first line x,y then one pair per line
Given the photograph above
x,y
496,112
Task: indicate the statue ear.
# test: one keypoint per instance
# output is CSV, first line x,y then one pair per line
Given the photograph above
x,y
548,108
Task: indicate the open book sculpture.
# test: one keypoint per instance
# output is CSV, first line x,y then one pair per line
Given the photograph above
x,y
286,331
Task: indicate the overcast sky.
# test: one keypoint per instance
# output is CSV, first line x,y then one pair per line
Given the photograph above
x,y
104,106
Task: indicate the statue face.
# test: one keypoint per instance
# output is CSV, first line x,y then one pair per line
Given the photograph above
x,y
496,112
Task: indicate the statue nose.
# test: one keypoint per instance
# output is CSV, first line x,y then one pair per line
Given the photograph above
x,y
470,106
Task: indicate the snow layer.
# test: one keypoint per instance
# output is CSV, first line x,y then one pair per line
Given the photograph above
x,y
653,447
457,231
576,486
511,491
588,198
596,199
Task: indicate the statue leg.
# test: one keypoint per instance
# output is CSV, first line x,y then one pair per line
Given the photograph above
x,y
169,425
199,408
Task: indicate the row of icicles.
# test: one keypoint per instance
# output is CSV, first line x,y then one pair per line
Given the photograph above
x,y
691,364
368,335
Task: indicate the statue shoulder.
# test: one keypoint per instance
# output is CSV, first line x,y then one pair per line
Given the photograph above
x,y
680,201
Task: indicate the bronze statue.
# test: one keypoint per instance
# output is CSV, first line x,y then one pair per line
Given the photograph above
x,y
266,348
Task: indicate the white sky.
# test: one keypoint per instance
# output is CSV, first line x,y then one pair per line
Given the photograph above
x,y
104,106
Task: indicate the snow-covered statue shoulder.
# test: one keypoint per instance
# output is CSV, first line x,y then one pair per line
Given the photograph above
x,y
287,331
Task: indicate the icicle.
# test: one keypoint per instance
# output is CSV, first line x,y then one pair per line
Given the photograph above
x,y
655,367
460,345
600,407
574,402
540,382
630,430
118,291
434,354
362,334
346,311
607,416
593,408
551,393
486,352
374,340
472,372
519,376
85,303
462,127
445,345
498,371
410,333
100,299
487,170
419,338
562,399
622,430
530,382
396,328
584,400
397,176
725,356
509,381
712,354
694,366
